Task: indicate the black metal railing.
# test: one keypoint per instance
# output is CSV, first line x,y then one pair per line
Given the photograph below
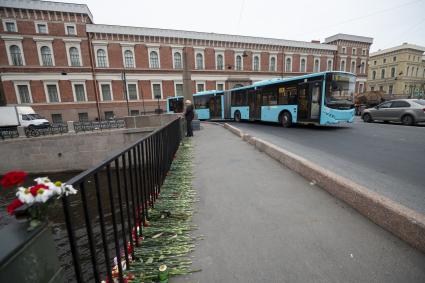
x,y
99,125
125,186
53,129
10,133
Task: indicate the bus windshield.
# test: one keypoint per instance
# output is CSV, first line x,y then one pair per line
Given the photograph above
x,y
340,94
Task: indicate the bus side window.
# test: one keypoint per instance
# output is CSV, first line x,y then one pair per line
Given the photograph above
x,y
265,100
273,98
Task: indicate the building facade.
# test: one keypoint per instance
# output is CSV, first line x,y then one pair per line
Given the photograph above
x,y
54,58
398,71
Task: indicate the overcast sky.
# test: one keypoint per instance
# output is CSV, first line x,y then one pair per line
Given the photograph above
x,y
389,22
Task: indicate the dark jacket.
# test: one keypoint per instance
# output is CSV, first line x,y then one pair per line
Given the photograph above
x,y
189,114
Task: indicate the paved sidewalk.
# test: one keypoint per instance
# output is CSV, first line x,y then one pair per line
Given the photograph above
x,y
264,223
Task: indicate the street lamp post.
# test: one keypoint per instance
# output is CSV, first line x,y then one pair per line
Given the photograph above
x,y
124,80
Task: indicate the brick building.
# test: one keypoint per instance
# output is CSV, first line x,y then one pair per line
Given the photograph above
x,y
53,57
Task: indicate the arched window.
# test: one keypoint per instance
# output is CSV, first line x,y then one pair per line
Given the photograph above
x,y
256,63
407,73
128,59
46,56
153,57
272,64
329,67
362,68
373,75
101,58
353,67
288,65
302,66
199,61
342,66
220,62
15,54
392,72
238,63
74,56
316,65
382,73
178,60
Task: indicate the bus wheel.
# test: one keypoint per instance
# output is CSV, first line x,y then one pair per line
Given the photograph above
x,y
285,119
237,116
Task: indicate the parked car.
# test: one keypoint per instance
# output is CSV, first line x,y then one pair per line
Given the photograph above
x,y
13,116
407,111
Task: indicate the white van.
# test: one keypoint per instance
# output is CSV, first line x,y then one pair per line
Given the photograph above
x,y
13,116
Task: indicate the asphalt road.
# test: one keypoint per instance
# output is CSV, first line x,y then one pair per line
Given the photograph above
x,y
386,158
264,223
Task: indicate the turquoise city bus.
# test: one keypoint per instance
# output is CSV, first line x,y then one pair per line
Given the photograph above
x,y
324,98
209,105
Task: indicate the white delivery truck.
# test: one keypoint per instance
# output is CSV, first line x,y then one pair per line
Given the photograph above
x,y
13,116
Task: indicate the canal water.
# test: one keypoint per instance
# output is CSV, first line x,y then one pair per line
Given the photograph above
x,y
58,227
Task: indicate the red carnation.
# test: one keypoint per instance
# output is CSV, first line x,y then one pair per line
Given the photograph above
x,y
14,205
34,189
13,178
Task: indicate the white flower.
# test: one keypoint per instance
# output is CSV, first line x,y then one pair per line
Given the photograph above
x,y
24,195
43,195
42,180
56,187
68,190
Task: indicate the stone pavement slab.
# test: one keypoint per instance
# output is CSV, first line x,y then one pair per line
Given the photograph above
x,y
264,223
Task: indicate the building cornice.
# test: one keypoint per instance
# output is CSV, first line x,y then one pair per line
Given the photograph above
x,y
143,31
349,37
404,46
47,6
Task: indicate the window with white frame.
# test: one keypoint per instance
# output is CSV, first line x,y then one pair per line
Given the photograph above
x,y
23,93
199,61
109,115
134,112
239,62
102,60
16,55
272,65
178,61
106,91
153,60
353,51
128,59
132,91
390,89
74,56
353,67
303,63
329,65
41,27
70,29
342,67
316,67
382,73
220,61
361,88
178,89
343,50
83,116
52,92
79,92
156,90
9,25
364,52
220,86
288,64
46,56
362,68
256,63
373,75
200,87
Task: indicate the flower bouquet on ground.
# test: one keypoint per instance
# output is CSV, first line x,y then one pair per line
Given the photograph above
x,y
36,198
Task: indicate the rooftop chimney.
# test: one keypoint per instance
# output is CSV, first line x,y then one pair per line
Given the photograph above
x,y
315,41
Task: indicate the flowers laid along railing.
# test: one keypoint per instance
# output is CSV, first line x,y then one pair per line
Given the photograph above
x,y
37,197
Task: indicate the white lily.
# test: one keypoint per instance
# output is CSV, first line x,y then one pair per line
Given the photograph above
x,y
24,195
55,187
43,195
42,180
68,190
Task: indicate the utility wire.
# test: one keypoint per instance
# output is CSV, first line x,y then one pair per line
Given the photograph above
x,y
363,17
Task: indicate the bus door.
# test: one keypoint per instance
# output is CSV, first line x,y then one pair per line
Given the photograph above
x,y
309,98
254,102
215,107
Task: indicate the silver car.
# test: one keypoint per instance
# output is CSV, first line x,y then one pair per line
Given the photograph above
x,y
407,111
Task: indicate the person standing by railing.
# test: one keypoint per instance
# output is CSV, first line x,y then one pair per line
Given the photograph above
x,y
189,115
